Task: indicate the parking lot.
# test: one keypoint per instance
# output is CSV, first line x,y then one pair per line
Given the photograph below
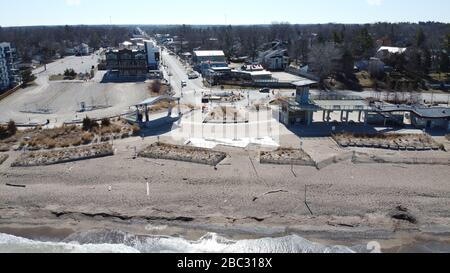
x,y
60,101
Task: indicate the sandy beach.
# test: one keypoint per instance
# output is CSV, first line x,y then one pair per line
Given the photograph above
x,y
347,203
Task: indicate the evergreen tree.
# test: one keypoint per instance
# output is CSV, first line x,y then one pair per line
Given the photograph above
x,y
420,38
444,63
27,76
348,63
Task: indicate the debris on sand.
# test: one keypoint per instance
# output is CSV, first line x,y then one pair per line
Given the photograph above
x,y
403,214
3,158
268,193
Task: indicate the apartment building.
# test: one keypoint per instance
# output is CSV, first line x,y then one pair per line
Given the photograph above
x,y
9,74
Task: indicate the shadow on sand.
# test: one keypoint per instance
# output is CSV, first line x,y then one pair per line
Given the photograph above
x,y
159,126
323,129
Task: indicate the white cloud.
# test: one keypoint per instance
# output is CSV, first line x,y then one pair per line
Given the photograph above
x,y
73,2
375,2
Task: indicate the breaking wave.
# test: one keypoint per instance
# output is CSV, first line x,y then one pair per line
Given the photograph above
x,y
121,242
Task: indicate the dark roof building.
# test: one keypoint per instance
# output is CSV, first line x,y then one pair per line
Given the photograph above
x,y
126,63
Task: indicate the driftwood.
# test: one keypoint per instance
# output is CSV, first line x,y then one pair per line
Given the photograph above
x,y
15,185
269,192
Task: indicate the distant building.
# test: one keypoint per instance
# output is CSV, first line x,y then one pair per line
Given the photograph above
x,y
126,45
126,63
82,50
153,55
385,52
203,60
276,58
258,75
9,74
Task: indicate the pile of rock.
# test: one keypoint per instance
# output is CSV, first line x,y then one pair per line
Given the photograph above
x,y
285,156
43,158
183,153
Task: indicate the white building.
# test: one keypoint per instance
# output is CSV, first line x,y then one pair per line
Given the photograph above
x,y
275,57
153,55
386,51
204,60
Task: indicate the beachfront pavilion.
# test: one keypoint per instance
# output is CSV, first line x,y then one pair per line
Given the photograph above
x,y
301,109
142,109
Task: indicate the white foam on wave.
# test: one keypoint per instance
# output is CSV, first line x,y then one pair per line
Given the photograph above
x,y
213,243
13,244
210,243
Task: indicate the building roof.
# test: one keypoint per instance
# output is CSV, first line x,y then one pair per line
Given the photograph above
x,y
342,104
304,82
220,68
423,112
258,73
209,53
275,53
393,50
154,100
126,43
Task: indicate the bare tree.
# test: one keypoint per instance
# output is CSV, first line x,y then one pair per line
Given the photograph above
x,y
155,87
323,59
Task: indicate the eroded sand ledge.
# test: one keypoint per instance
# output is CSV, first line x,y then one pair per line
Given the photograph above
x,y
348,201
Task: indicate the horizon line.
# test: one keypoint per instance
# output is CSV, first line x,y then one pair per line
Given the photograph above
x,y
256,24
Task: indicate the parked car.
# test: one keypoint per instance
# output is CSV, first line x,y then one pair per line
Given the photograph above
x,y
192,75
183,84
264,90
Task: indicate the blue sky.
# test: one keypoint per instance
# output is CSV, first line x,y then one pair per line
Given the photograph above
x,y
61,12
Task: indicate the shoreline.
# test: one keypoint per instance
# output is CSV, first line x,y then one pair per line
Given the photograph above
x,y
390,241
350,203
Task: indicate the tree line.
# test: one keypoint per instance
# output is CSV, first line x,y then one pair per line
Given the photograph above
x,y
329,49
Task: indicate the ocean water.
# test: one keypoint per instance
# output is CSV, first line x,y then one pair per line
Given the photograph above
x,y
121,242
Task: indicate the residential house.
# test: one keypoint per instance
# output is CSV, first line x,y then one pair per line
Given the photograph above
x,y
385,52
275,58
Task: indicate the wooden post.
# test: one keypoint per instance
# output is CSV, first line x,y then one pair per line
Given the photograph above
x,y
306,201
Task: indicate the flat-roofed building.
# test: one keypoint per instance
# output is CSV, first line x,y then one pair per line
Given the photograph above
x,y
203,60
153,55
126,63
301,109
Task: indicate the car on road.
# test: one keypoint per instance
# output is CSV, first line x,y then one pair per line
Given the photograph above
x,y
264,90
183,84
192,76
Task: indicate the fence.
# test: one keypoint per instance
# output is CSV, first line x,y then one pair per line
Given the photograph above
x,y
8,92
